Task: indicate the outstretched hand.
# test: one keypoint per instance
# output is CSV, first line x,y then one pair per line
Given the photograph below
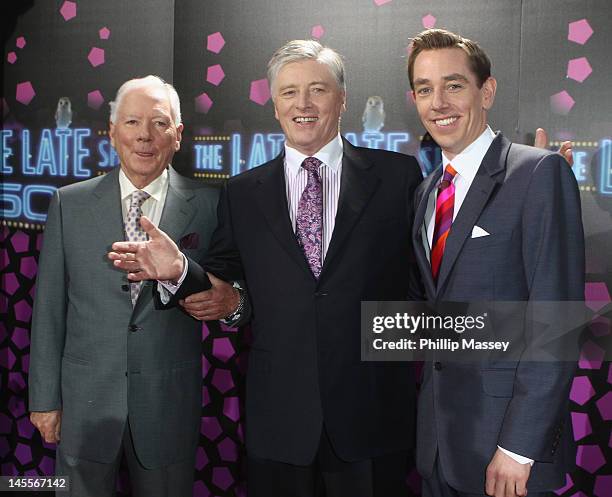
x,y
156,259
541,141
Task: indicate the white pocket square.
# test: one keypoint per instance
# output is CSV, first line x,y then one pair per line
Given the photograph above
x,y
478,232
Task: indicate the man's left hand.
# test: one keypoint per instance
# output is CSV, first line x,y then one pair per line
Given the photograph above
x,y
505,477
216,303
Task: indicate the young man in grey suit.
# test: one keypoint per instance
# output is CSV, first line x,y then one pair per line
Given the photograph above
x,y
109,373
497,222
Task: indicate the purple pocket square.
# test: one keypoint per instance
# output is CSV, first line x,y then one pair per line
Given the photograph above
x,y
190,241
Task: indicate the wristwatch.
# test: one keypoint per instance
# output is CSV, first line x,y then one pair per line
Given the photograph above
x,y
237,314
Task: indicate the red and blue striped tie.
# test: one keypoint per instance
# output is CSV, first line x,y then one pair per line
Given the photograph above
x,y
445,203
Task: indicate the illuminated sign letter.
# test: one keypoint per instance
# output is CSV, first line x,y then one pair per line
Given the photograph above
x,y
258,151
6,151
46,154
236,154
579,166
62,153
605,164
30,190
13,200
80,153
26,167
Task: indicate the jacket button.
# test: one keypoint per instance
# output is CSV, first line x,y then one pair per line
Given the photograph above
x,y
320,294
438,366
133,328
125,288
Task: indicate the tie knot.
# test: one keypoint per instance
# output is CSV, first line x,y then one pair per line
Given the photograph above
x,y
311,164
138,197
449,173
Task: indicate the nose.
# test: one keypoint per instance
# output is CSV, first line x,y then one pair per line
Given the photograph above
x,y
438,101
144,132
303,100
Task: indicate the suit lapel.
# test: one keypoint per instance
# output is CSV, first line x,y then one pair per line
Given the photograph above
x,y
178,211
105,209
417,229
271,197
489,174
357,185
107,201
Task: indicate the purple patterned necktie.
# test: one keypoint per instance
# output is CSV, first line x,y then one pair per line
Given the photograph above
x,y
309,221
135,233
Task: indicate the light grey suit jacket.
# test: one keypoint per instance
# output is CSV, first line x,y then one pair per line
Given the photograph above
x,y
528,200
92,354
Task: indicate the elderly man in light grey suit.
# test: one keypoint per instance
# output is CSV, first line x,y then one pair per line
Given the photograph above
x,y
110,373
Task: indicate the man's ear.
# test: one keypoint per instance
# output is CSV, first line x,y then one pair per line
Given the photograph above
x,y
179,136
111,133
488,93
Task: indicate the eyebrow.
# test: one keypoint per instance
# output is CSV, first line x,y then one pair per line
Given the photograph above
x,y
294,85
450,77
454,77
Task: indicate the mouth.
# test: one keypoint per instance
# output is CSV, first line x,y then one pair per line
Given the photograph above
x,y
447,121
305,119
145,154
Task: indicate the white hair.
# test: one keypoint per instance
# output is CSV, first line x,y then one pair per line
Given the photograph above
x,y
175,103
297,50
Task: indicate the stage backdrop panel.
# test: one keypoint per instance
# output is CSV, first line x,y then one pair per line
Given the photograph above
x,y
63,61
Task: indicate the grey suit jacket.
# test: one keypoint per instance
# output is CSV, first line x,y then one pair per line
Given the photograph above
x,y
528,200
92,354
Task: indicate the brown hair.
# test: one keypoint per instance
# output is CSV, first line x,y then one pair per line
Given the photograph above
x,y
435,39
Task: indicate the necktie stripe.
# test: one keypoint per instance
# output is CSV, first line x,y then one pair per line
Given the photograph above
x,y
445,195
445,202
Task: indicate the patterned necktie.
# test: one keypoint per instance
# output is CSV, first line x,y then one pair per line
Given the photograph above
x,y
135,233
309,221
445,203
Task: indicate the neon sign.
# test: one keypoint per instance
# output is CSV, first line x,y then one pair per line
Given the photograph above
x,y
35,163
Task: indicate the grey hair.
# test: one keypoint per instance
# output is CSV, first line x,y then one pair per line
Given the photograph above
x,y
298,50
175,102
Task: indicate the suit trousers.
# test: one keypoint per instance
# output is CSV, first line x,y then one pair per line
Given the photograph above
x,y
97,479
329,476
437,486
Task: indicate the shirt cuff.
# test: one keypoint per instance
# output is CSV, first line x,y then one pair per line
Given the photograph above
x,y
167,288
519,459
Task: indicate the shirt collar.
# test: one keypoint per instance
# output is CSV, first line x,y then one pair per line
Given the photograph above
x,y
154,189
330,155
468,161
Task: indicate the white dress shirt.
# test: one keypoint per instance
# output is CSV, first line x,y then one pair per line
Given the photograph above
x,y
330,172
466,163
151,207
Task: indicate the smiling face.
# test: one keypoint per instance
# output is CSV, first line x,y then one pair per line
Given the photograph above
x,y
144,133
450,104
308,103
